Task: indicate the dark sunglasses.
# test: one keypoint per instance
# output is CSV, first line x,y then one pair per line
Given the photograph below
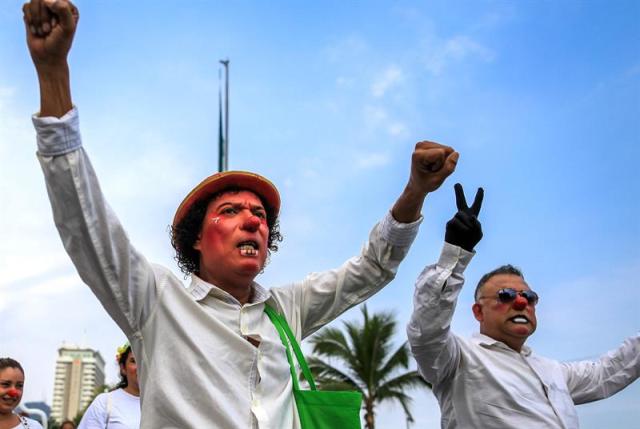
x,y
508,295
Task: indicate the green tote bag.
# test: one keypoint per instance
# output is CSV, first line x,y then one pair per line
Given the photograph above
x,y
317,409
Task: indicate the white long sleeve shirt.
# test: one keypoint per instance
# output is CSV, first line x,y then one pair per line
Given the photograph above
x,y
482,383
196,368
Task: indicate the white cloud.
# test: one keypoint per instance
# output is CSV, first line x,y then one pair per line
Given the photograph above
x,y
377,118
372,160
60,285
374,114
398,129
18,295
455,50
392,76
18,265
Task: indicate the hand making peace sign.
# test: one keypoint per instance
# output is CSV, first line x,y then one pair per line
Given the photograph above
x,y
464,229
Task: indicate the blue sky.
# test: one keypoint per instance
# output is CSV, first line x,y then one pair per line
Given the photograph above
x,y
541,99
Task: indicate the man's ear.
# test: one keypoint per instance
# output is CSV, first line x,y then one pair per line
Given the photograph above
x,y
196,245
477,312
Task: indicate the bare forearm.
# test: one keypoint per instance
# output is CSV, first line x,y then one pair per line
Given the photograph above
x,y
55,90
408,206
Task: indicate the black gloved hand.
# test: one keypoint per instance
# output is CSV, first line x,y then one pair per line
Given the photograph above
x,y
464,228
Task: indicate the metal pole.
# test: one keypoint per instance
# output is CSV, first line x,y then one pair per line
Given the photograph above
x,y
220,129
225,157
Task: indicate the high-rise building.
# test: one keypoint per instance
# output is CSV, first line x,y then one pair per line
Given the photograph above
x,y
79,371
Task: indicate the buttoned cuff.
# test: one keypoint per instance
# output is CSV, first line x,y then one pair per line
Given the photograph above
x,y
398,233
454,257
57,136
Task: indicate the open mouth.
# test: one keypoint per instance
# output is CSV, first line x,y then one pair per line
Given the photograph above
x,y
519,320
248,248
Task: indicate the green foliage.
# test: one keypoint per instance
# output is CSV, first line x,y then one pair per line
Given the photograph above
x,y
53,423
362,358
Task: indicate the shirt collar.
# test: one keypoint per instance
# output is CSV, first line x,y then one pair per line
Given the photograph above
x,y
199,289
486,341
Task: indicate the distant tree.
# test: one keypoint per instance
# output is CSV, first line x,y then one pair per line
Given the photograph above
x,y
53,423
366,363
98,390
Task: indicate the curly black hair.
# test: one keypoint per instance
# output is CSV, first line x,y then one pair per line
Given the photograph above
x,y
185,234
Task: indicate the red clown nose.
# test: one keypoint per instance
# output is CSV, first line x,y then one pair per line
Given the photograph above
x,y
252,223
14,393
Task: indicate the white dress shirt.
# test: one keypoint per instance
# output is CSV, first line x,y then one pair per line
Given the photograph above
x,y
196,368
483,383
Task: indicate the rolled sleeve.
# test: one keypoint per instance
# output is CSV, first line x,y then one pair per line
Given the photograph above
x,y
398,233
58,136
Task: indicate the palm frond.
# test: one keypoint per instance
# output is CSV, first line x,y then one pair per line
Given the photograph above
x,y
400,358
361,357
327,375
406,381
405,401
331,343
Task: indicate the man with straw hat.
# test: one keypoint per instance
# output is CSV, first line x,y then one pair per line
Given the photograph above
x,y
208,356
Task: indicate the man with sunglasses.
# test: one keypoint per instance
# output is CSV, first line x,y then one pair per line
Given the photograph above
x,y
493,380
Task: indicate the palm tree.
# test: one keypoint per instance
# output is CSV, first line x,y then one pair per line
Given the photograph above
x,y
367,363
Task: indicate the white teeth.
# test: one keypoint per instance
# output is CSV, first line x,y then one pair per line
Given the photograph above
x,y
519,319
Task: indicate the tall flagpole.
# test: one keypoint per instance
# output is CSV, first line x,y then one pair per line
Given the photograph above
x,y
221,151
223,164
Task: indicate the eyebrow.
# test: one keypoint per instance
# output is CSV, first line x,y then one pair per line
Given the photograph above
x,y
240,205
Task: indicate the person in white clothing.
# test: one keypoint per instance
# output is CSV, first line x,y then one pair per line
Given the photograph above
x,y
208,355
493,380
11,388
120,408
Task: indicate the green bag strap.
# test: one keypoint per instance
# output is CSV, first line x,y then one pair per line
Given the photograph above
x,y
284,331
298,352
273,316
